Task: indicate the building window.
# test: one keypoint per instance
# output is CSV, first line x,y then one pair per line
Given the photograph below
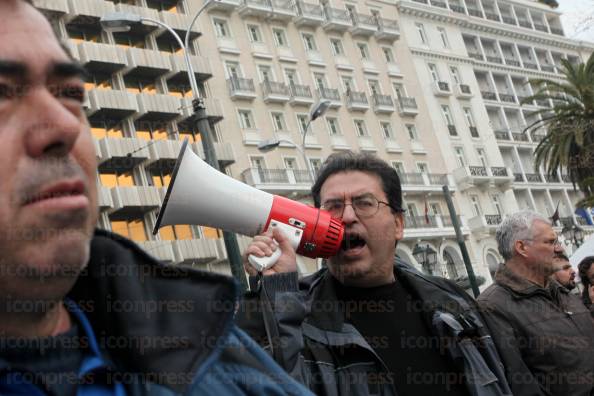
x,y
388,54
254,34
360,128
444,37
278,121
221,28
265,73
476,206
399,167
280,37
246,119
469,117
422,167
320,80
315,164
386,128
445,110
412,132
421,32
333,126
133,229
302,121
336,45
455,75
433,72
309,42
460,157
363,50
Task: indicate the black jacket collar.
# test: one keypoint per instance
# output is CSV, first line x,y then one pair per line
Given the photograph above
x,y
153,319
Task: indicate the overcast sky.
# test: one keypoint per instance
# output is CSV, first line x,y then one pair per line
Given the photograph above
x,y
578,18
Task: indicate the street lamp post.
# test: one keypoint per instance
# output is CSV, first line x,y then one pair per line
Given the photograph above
x,y
121,22
426,256
268,145
573,235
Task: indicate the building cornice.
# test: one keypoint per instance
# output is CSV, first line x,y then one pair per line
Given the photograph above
x,y
465,21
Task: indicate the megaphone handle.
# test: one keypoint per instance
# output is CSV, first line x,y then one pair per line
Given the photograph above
x,y
263,263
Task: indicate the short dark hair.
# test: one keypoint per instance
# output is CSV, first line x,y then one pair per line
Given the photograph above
x,y
362,162
583,268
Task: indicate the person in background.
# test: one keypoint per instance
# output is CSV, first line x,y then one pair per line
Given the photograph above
x,y
586,272
86,312
564,272
544,334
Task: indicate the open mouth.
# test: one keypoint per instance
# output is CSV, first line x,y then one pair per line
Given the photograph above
x,y
352,241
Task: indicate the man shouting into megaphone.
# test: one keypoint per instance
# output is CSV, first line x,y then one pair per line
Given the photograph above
x,y
368,323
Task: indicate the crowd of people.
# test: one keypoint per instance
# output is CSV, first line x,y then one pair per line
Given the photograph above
x,y
87,312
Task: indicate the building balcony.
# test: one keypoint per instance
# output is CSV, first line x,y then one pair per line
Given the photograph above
x,y
502,176
278,181
473,132
241,88
336,20
494,59
144,12
330,94
163,155
86,11
255,8
431,227
463,91
458,8
476,56
388,29
146,64
363,25
530,65
338,142
101,58
408,106
383,103
512,62
484,224
474,12
492,16
547,68
283,10
356,101
452,130
557,31
520,137
179,69
391,145
366,144
489,95
180,23
158,107
133,202
541,28
441,88
300,95
111,104
510,20
537,137
122,155
472,176
533,178
53,6
308,15
506,97
161,250
524,23
519,177
416,182
502,135
223,151
196,251
275,92
214,110
104,198
224,6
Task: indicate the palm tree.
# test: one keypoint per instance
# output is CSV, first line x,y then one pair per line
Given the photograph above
x,y
569,140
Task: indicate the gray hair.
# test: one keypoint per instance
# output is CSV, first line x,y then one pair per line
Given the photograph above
x,y
514,227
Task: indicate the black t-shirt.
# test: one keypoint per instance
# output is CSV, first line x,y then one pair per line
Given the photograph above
x,y
391,321
52,363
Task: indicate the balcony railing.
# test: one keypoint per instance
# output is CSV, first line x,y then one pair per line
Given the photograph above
x,y
525,23
465,89
475,12
408,178
302,91
502,135
457,8
474,132
557,31
385,101
488,95
438,3
520,137
512,62
518,178
408,103
537,137
541,27
491,16
329,93
476,55
477,171
499,171
275,88
566,178
354,98
530,65
548,68
551,178
437,179
509,98
493,220
313,11
443,86
509,20
420,221
533,178
241,84
494,59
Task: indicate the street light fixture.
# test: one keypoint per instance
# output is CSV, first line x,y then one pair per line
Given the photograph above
x,y
573,235
270,144
122,22
426,256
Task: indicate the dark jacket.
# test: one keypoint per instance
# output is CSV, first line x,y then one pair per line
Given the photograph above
x,y
545,336
305,331
169,330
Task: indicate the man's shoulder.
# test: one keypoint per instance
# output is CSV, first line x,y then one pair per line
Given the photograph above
x,y
494,295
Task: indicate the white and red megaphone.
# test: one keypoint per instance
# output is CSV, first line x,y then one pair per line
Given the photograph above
x,y
199,194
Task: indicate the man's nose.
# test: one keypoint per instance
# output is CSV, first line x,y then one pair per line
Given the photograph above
x,y
348,214
53,128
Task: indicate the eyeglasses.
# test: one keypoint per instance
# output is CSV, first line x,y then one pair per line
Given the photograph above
x,y
552,242
364,206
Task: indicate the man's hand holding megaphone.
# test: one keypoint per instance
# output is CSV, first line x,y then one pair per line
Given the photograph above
x,y
264,245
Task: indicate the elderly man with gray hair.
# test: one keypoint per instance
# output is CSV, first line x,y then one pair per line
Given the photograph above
x,y
544,334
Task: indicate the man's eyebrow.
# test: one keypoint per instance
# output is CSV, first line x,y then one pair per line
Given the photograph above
x,y
68,70
12,69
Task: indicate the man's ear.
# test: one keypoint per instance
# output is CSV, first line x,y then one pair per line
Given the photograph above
x,y
520,248
399,222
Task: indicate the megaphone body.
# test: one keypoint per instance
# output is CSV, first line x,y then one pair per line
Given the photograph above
x,y
201,195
